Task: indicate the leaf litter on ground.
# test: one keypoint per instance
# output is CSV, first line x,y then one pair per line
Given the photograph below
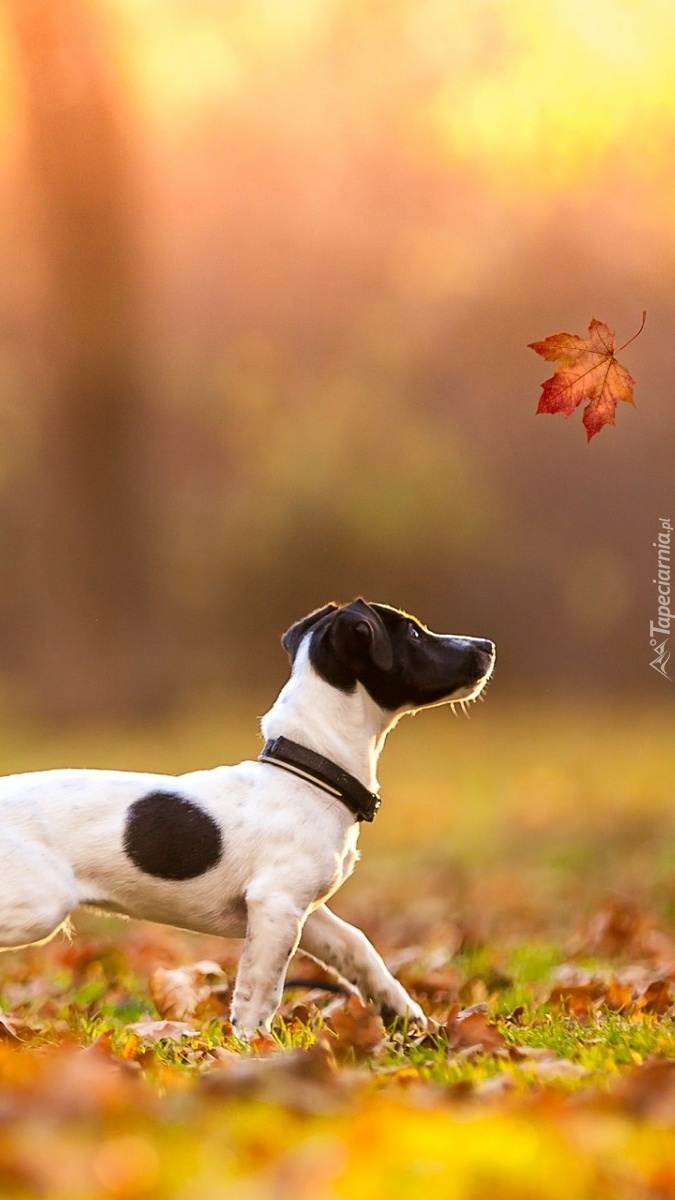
x,y
594,1032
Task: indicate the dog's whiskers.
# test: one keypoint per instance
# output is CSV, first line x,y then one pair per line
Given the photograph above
x,y
465,702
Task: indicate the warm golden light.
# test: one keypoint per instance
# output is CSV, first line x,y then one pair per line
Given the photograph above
x,y
566,82
535,92
316,237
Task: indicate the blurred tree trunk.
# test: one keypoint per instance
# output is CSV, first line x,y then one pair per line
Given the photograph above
x,y
91,646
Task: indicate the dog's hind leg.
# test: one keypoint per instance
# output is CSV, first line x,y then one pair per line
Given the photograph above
x,y
347,951
37,891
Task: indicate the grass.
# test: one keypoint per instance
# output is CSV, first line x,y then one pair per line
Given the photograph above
x,y
482,882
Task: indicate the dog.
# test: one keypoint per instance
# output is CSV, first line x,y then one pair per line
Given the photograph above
x,y
253,850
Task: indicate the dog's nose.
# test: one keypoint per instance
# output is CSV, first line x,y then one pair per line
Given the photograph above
x,y
486,645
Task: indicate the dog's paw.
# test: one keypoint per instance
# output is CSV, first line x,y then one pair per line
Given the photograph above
x,y
249,1025
416,1016
393,1001
408,1011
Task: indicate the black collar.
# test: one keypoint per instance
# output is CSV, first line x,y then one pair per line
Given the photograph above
x,y
281,752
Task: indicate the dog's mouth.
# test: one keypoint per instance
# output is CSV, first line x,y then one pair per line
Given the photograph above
x,y
467,696
472,692
462,696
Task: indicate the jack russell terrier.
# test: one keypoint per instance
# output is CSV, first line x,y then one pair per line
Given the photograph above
x,y
253,850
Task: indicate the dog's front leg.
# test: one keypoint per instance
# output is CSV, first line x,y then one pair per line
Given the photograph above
x,y
272,935
346,950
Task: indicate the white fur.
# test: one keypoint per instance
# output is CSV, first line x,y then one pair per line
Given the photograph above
x,y
288,846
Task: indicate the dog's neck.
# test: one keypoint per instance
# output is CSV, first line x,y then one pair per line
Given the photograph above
x,y
347,727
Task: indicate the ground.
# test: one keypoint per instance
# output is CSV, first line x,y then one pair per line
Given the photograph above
x,y
519,879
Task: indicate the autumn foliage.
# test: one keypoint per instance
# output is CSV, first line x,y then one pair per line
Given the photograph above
x,y
524,897
589,372
336,1103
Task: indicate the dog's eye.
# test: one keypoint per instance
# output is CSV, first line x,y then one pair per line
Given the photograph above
x,y
413,631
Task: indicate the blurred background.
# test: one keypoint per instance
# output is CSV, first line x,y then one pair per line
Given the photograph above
x,y
269,271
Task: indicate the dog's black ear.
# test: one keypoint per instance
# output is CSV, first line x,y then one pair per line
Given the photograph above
x,y
293,636
357,633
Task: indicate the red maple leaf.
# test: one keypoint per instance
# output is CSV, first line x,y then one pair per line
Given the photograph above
x,y
589,371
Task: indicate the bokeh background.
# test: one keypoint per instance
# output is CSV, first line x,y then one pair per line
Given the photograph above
x,y
269,271
268,274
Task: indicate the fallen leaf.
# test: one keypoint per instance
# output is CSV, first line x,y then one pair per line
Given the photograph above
x,y
588,371
515,1017
618,996
303,1014
557,1068
470,1029
183,992
632,990
620,928
577,999
72,1083
126,1165
648,1091
161,1031
305,1080
10,1026
657,997
533,1053
495,1088
263,1045
436,986
357,1027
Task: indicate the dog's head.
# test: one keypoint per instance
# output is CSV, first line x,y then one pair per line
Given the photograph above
x,y
400,663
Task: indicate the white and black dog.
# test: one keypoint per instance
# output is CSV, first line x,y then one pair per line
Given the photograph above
x,y
254,850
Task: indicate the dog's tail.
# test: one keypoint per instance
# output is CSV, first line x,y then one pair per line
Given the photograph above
x,y
318,985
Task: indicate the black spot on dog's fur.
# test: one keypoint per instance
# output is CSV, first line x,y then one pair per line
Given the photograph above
x,y
169,836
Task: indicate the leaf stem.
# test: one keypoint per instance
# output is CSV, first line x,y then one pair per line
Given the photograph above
x,y
635,335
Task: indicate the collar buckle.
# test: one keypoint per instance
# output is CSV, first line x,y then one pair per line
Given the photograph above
x,y
307,764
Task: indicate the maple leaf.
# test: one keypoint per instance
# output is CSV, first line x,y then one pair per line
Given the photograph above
x,y
588,371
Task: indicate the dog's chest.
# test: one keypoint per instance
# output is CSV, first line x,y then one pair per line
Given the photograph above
x,y
350,860
344,864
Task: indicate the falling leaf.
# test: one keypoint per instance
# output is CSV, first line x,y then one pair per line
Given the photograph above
x,y
589,371
185,991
